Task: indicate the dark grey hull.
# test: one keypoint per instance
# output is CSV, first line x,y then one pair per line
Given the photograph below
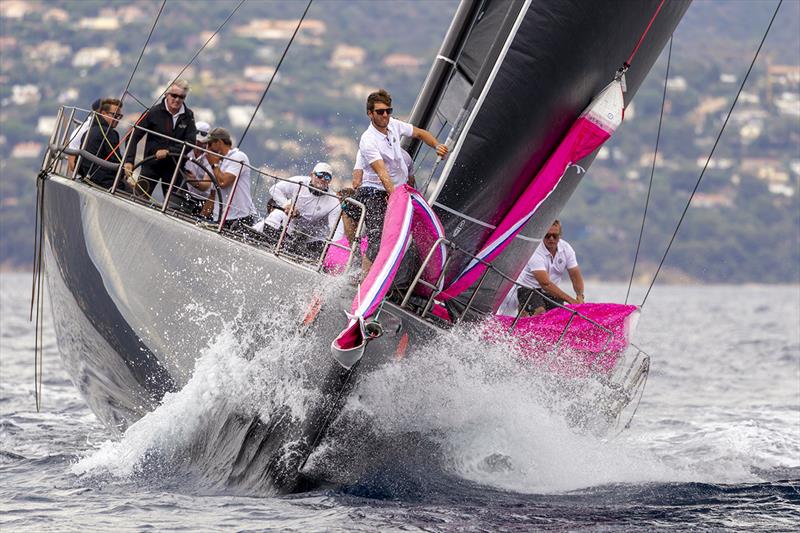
x,y
138,295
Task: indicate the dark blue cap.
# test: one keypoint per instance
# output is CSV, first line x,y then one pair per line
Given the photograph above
x,y
96,104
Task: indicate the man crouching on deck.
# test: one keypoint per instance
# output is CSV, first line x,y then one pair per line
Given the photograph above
x,y
385,168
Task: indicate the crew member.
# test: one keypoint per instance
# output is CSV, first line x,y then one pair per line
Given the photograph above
x,y
311,214
544,272
103,141
385,167
175,121
235,192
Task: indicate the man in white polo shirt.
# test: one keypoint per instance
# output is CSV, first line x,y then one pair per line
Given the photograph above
x,y
311,214
235,163
385,167
543,273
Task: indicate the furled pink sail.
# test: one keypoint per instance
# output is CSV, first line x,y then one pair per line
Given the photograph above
x,y
595,125
336,257
407,215
568,342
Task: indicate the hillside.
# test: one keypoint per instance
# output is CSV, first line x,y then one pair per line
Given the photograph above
x,y
71,52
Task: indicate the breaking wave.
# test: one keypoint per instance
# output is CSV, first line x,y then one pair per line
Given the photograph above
x,y
456,408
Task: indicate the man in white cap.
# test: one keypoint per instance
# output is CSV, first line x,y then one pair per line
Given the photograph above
x,y
302,203
198,170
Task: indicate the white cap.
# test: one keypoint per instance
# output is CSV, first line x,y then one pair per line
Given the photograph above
x,y
202,131
323,167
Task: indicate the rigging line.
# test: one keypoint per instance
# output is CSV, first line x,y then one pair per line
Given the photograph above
x,y
275,72
177,77
128,93
141,54
224,22
646,30
710,155
143,115
652,171
36,243
36,294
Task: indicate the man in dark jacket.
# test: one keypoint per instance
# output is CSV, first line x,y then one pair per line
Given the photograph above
x,y
103,142
172,118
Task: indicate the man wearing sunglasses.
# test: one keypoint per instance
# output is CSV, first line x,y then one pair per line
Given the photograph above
x,y
103,141
311,214
169,117
543,273
385,167
231,168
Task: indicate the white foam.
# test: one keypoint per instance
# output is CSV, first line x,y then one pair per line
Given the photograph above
x,y
239,372
480,402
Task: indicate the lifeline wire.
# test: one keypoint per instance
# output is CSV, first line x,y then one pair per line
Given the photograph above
x,y
711,154
277,67
652,171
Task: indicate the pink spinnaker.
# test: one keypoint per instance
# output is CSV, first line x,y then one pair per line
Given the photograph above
x,y
407,215
583,348
336,257
595,125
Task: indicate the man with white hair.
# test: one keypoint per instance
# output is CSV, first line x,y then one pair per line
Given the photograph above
x,y
175,121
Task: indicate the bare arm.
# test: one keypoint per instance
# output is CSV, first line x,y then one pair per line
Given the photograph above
x,y
223,178
428,138
200,179
551,288
577,283
358,176
383,174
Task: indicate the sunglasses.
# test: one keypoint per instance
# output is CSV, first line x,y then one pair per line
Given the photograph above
x,y
323,176
118,115
385,111
177,96
552,236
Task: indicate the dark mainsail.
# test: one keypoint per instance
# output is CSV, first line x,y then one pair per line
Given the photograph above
x,y
510,80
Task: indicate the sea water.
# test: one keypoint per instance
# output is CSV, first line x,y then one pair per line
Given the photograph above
x,y
456,437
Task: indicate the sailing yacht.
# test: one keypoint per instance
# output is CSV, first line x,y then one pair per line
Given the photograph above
x,y
511,83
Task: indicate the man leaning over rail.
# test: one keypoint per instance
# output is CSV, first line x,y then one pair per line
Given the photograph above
x,y
235,192
543,273
171,118
102,141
